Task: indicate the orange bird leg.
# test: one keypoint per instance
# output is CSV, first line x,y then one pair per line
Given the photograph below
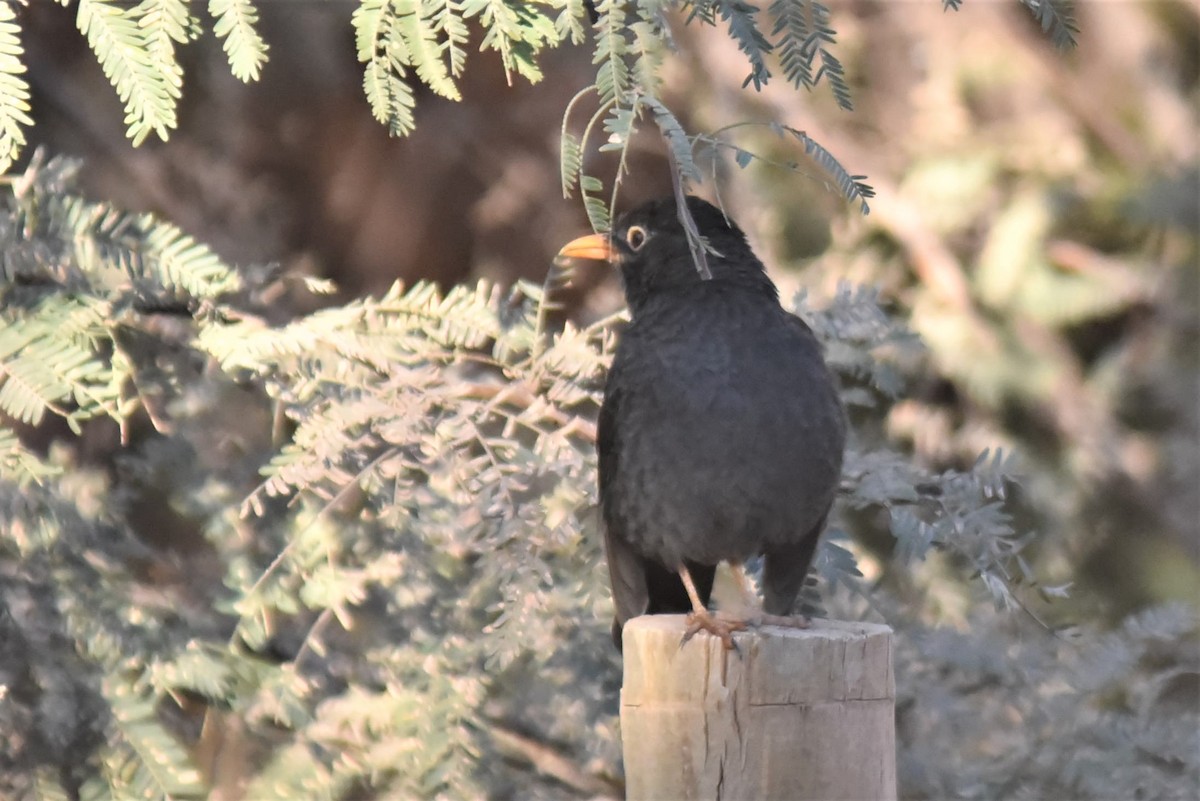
x,y
701,619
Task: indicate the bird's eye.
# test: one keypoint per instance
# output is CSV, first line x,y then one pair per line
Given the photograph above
x,y
636,237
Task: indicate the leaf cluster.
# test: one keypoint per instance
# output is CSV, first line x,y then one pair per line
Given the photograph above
x,y
633,40
399,42
403,42
80,280
438,455
1114,712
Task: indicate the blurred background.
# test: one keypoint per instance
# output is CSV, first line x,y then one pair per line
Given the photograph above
x,y
1036,221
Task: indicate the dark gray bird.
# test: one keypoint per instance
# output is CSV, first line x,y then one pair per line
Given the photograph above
x,y
721,434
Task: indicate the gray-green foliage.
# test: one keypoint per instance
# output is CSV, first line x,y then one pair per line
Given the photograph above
x,y
1115,715
632,42
400,564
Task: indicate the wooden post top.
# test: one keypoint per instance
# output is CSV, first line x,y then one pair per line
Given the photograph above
x,y
792,714
777,663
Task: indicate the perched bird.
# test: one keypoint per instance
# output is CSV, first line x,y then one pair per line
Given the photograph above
x,y
721,433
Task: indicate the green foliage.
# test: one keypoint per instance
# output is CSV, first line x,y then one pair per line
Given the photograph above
x,y
851,187
800,33
1057,18
143,759
20,465
428,37
235,26
516,30
743,29
435,406
164,24
803,30
14,90
76,655
627,86
148,88
397,41
136,45
79,356
612,47
386,57
402,41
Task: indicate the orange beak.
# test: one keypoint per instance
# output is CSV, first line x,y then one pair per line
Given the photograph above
x,y
593,246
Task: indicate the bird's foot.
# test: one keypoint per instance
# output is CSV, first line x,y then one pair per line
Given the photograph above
x,y
786,621
720,627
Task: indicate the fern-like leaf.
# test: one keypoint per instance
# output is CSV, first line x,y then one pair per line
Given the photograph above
x,y
793,29
145,86
570,22
597,211
41,370
1057,18
446,17
420,37
385,55
146,761
619,125
244,47
831,69
702,10
612,47
21,465
852,187
164,24
649,36
178,262
802,31
14,90
743,28
570,161
677,139
516,30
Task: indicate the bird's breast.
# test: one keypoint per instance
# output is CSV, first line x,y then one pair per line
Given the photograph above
x,y
728,433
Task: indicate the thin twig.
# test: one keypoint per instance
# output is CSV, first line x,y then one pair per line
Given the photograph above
x,y
549,762
696,243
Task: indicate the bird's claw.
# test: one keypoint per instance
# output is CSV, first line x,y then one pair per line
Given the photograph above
x,y
722,628
786,621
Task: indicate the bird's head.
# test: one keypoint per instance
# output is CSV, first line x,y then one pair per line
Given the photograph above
x,y
650,246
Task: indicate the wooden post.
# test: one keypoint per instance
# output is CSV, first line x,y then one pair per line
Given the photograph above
x,y
800,714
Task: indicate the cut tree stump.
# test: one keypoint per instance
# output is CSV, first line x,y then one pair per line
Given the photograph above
x,y
799,715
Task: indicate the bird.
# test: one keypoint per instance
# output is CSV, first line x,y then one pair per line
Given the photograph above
x,y
721,432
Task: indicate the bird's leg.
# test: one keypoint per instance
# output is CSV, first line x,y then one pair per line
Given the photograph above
x,y
749,599
761,618
701,618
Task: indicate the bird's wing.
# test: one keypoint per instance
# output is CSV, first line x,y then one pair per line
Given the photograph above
x,y
626,567
786,564
627,572
606,430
